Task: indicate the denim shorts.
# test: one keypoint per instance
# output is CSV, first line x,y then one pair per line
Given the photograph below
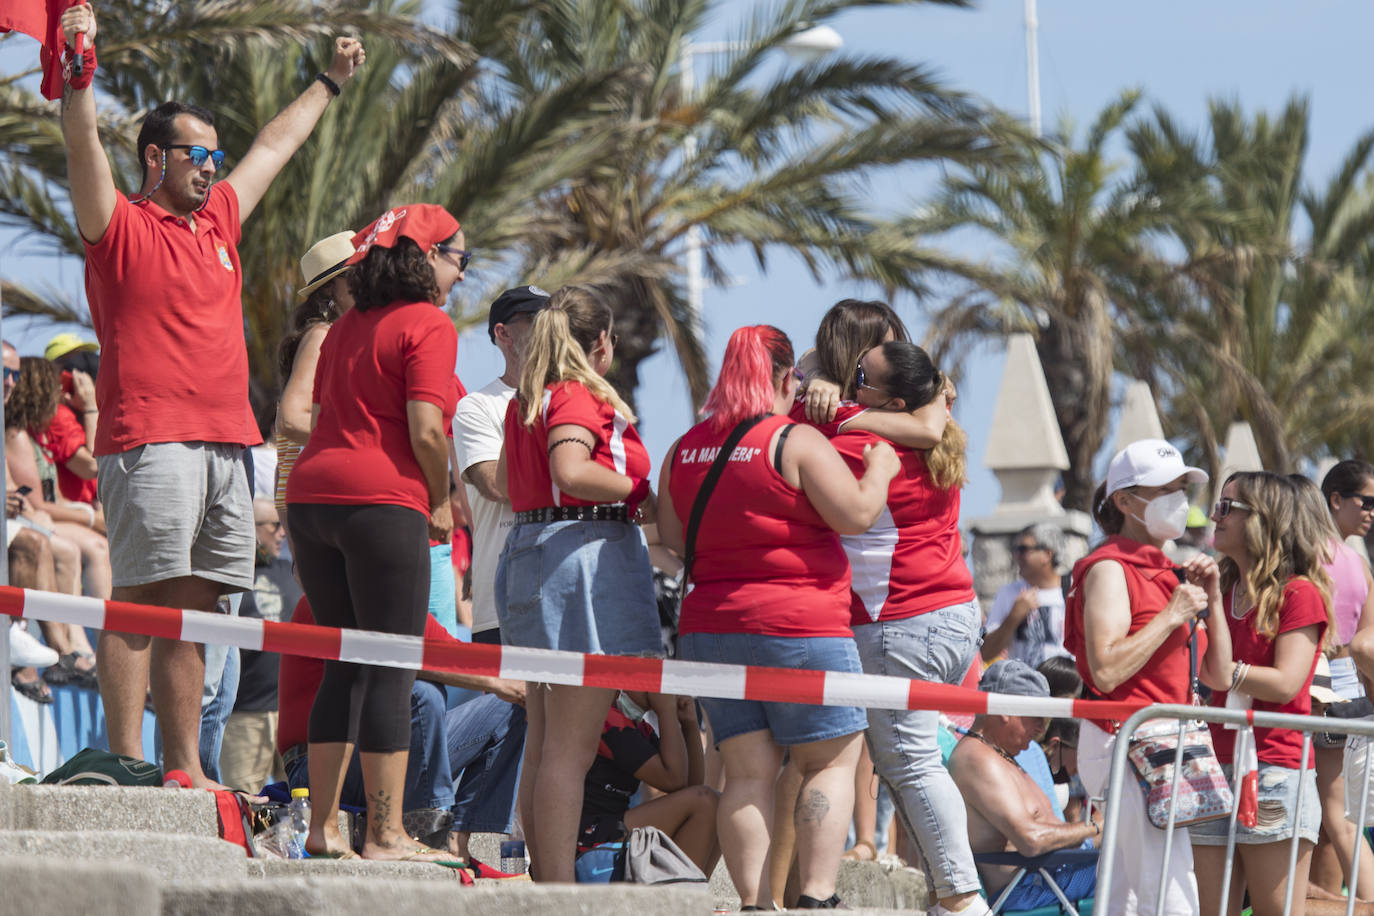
x,y
790,723
1278,796
578,586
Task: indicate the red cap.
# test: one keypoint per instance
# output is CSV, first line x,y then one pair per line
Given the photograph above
x,y
423,224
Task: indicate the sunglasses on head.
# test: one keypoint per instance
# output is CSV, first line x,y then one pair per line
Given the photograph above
x,y
1366,502
11,375
1224,506
463,256
198,154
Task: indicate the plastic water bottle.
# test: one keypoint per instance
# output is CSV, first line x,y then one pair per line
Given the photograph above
x,y
300,821
513,857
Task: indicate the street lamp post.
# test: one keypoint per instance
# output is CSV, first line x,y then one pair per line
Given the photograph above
x,y
808,45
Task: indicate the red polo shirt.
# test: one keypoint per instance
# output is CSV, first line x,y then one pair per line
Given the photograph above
x,y
165,302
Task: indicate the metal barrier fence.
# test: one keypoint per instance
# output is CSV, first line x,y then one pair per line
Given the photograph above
x,y
1122,774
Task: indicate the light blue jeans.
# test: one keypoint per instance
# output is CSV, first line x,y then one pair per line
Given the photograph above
x,y
935,646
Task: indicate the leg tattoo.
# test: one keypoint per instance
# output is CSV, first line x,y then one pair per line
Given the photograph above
x,y
813,808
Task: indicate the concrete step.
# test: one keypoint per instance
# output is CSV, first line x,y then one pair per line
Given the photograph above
x,y
37,886
861,885
349,868
153,810
373,895
171,857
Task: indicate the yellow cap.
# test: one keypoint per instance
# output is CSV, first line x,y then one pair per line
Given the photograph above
x,y
300,793
65,343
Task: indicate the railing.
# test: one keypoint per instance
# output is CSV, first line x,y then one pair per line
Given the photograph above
x,y
1123,773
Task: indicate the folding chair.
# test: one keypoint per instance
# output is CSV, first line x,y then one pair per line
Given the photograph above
x,y
1043,866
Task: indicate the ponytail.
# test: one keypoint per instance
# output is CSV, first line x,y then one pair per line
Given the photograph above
x,y
754,362
561,338
947,461
1108,517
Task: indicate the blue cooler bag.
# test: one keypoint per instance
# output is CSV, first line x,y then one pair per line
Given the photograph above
x,y
600,864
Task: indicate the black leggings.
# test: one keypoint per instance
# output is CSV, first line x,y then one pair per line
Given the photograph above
x,y
363,567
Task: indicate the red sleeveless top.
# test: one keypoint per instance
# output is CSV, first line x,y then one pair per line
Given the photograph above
x,y
1150,581
765,561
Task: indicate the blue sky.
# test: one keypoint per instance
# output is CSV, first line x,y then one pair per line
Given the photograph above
x,y
1178,53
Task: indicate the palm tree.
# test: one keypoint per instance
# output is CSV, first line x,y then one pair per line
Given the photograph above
x,y
554,129
1072,239
1272,332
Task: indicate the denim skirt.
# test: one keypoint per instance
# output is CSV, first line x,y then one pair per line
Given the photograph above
x,y
578,586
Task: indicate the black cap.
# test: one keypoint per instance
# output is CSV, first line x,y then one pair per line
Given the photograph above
x,y
512,302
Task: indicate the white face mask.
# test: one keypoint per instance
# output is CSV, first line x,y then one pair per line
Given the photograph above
x,y
1166,517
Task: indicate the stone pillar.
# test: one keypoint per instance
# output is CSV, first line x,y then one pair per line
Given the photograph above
x,y
1026,453
1139,419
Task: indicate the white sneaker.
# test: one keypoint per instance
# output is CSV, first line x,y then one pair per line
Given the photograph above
x,y
976,907
27,652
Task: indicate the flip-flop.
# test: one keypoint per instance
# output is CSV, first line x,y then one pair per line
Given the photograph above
x,y
346,854
419,851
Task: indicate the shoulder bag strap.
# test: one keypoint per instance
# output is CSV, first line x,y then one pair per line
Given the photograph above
x,y
709,484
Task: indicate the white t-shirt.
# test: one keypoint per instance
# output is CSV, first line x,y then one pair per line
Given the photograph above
x,y
478,432
1041,634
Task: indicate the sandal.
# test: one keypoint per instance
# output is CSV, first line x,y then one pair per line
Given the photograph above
x,y
36,689
855,856
65,672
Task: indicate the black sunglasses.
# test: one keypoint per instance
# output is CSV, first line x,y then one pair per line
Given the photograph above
x,y
11,374
463,256
198,154
861,378
1224,506
1366,502
1027,548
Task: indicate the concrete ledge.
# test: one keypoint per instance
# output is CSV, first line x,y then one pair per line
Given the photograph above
x,y
38,886
861,886
354,868
368,897
111,808
168,856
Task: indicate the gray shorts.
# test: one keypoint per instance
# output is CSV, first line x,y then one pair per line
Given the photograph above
x,y
177,509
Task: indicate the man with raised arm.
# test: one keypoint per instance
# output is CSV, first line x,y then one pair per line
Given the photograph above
x,y
163,283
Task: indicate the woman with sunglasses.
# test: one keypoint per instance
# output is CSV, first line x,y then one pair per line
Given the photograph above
x,y
1128,622
368,493
771,587
575,573
1352,604
1277,612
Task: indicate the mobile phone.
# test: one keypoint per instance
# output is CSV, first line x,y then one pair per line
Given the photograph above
x,y
66,381
24,491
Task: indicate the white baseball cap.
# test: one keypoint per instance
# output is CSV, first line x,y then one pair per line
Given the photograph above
x,y
1149,463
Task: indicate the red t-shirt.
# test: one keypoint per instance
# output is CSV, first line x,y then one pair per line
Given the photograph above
x,y
618,446
60,441
166,305
371,364
299,676
911,561
1150,581
1302,607
765,561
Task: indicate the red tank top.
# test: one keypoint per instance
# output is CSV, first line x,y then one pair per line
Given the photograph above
x,y
1150,581
765,561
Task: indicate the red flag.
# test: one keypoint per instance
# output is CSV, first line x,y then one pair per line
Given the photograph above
x,y
42,20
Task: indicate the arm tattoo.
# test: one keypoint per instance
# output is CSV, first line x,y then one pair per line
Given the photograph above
x,y
813,808
582,442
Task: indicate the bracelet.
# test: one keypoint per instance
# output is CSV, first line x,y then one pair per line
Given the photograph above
x,y
329,84
1238,674
90,411
583,443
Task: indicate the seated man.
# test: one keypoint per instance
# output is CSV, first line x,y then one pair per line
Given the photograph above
x,y
1007,811
464,763
671,760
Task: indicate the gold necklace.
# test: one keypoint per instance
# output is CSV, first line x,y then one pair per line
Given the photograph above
x,y
1008,757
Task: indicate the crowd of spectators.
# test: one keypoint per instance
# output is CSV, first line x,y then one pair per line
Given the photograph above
x,y
814,511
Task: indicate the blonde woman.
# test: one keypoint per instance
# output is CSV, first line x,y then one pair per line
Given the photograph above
x,y
575,573
1277,608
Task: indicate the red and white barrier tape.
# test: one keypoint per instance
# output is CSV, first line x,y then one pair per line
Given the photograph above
x,y
695,679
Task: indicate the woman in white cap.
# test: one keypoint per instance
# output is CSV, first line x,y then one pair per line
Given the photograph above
x,y
1128,621
325,293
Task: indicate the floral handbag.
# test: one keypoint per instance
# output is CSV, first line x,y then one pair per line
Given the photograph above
x,y
1203,792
